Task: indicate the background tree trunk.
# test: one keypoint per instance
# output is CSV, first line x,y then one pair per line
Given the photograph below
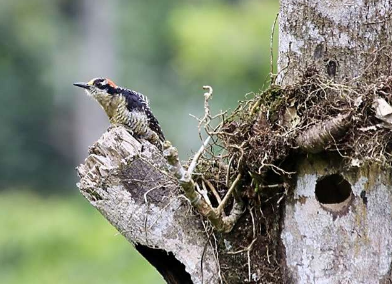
x,y
98,19
336,223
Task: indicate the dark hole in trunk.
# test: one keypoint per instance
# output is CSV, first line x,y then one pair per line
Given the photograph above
x,y
332,189
172,270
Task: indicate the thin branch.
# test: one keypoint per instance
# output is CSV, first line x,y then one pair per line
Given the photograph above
x,y
203,192
207,112
228,194
196,157
213,190
272,76
220,223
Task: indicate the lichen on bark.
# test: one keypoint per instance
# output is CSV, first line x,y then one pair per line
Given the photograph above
x,y
346,40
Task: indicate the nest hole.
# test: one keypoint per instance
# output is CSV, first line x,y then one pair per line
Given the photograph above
x,y
333,189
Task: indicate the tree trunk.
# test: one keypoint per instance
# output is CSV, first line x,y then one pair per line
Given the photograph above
x,y
331,222
347,40
338,221
128,183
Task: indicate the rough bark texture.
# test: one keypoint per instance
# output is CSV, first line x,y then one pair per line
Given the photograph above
x,y
347,239
128,183
345,39
338,243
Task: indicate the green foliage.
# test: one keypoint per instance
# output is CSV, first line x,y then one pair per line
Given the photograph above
x,y
165,49
55,240
222,42
26,150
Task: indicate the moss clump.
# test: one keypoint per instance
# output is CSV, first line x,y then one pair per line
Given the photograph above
x,y
263,131
261,139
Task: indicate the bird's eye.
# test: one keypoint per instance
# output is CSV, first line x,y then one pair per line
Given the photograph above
x,y
98,82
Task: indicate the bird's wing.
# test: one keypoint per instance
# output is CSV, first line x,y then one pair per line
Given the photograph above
x,y
140,102
154,124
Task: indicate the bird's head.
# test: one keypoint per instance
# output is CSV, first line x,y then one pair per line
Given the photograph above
x,y
99,87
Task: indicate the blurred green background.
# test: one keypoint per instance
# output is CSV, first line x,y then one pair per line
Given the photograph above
x,y
165,49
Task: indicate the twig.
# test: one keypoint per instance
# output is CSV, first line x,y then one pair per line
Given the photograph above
x,y
272,185
244,249
247,250
253,222
207,97
203,193
220,223
214,248
272,50
212,188
228,194
276,169
241,149
285,186
196,157
207,113
191,190
228,171
268,258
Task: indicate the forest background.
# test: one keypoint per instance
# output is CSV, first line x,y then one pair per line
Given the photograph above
x,y
166,50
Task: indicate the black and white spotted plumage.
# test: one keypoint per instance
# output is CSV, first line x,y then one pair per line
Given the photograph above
x,y
137,101
126,107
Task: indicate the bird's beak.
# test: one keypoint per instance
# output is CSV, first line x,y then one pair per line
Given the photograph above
x,y
82,85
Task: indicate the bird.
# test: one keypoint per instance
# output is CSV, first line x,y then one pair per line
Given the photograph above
x,y
125,107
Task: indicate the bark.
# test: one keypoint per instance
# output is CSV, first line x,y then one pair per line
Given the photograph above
x,y
128,183
347,40
330,237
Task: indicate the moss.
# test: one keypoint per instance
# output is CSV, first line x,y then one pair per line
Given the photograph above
x,y
259,140
265,127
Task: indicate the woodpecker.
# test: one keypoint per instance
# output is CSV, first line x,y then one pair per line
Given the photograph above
x,y
125,107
